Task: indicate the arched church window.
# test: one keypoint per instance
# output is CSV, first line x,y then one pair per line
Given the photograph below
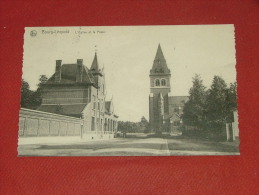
x,y
157,82
163,82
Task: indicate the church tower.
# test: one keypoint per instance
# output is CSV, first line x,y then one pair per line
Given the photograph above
x,y
98,75
96,71
159,89
98,96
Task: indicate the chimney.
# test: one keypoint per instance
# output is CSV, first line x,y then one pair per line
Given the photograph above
x,y
79,74
58,71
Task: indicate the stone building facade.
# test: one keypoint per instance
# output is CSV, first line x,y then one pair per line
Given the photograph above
x,y
74,90
164,110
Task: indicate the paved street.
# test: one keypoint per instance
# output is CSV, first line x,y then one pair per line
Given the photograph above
x,y
132,147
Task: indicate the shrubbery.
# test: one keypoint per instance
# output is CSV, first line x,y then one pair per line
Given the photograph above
x,y
29,98
134,127
209,110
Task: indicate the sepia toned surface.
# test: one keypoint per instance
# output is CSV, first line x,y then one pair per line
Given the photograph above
x,y
127,55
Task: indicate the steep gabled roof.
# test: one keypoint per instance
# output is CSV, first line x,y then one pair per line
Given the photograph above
x,y
95,69
88,76
159,53
68,75
175,116
159,64
109,106
178,100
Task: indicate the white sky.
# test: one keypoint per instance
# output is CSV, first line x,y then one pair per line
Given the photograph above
x,y
127,54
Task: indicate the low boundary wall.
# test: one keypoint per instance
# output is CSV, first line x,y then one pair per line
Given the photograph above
x,y
38,123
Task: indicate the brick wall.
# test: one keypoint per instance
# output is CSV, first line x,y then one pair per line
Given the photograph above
x,y
37,123
65,94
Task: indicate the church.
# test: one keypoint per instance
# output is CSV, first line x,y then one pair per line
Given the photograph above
x,y
76,91
165,110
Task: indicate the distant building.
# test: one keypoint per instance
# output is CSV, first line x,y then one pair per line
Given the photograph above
x,y
74,90
164,110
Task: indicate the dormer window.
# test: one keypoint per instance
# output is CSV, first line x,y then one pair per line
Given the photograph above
x,y
163,82
157,82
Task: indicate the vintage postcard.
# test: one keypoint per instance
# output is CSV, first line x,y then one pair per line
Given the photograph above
x,y
129,91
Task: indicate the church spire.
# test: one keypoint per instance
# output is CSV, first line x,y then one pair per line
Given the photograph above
x,y
95,69
95,65
159,53
159,64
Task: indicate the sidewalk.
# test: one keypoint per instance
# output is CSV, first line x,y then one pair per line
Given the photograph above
x,y
59,140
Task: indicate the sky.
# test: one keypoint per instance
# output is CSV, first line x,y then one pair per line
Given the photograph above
x,y
127,54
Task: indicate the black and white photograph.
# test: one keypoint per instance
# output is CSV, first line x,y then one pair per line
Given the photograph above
x,y
166,90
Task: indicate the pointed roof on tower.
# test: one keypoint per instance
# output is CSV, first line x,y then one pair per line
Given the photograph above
x,y
95,69
159,53
159,64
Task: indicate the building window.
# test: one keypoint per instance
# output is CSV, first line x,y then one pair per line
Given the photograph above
x,y
157,82
93,124
98,123
163,82
101,105
105,125
94,102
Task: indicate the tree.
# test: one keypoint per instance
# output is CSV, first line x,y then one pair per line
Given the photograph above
x,y
32,99
125,126
143,125
26,95
42,80
37,95
231,101
193,112
134,127
217,109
